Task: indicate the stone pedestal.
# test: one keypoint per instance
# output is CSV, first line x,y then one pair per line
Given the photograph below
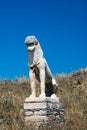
x,y
39,110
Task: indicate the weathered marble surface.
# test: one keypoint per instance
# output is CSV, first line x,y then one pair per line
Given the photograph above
x,y
40,109
39,69
38,99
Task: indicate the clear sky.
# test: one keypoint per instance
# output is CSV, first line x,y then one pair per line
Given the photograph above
x,y
59,25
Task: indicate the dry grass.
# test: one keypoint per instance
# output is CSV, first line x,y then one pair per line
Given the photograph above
x,y
72,92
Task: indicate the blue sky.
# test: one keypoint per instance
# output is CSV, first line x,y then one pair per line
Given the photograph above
x,y
59,25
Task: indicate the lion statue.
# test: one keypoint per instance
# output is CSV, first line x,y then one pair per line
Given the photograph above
x,y
39,69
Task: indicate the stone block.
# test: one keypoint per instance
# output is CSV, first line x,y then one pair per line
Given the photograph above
x,y
36,118
28,113
31,106
41,109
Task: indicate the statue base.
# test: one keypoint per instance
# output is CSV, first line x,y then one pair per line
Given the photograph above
x,y
39,110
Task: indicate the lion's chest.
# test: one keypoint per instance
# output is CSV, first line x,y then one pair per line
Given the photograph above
x,y
35,56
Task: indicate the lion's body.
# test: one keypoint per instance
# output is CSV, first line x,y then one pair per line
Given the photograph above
x,y
39,69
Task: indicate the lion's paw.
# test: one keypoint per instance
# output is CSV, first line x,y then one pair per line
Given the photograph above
x,y
42,95
32,96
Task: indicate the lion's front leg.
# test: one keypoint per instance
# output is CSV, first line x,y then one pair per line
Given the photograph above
x,y
42,83
33,86
42,74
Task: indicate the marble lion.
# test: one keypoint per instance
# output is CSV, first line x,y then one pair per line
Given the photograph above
x,y
39,69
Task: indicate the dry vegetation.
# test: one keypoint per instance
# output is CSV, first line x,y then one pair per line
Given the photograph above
x,y
72,92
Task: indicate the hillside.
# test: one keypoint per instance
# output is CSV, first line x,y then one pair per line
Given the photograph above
x,y
72,90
